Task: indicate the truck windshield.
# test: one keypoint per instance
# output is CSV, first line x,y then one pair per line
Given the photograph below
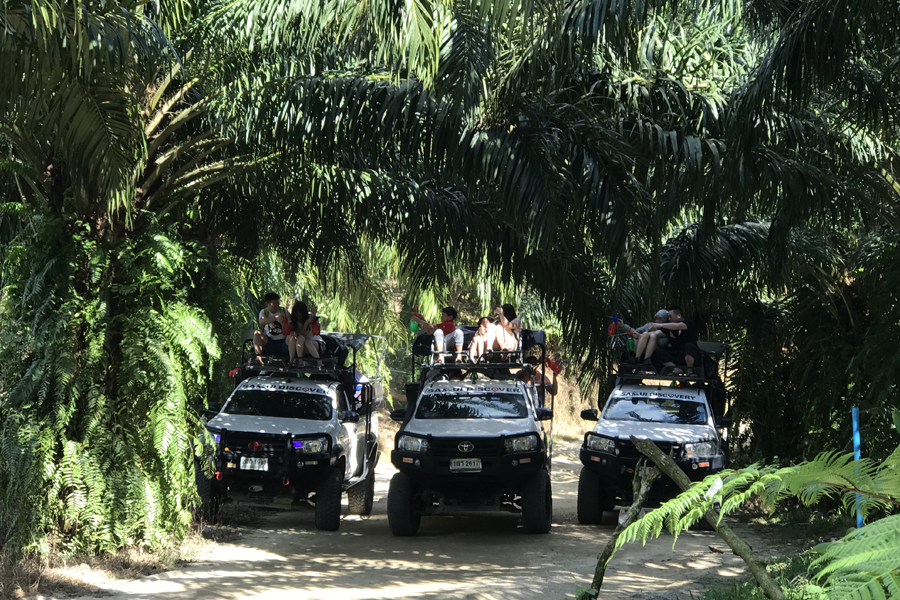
x,y
656,410
472,406
285,405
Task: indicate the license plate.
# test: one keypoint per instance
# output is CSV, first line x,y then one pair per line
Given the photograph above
x,y
465,465
254,464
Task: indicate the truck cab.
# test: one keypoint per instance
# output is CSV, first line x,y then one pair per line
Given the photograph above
x,y
674,411
473,438
307,432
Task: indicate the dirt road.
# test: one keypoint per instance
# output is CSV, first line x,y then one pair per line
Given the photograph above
x,y
481,557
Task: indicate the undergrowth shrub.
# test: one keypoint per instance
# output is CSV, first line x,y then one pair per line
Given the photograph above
x,y
101,367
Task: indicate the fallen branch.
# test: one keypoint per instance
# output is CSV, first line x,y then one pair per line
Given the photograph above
x,y
644,477
739,546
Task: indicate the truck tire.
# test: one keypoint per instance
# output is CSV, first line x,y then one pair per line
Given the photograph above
x,y
328,501
403,517
593,498
589,511
208,490
537,503
361,496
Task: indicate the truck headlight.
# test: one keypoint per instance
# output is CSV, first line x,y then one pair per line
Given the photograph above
x,y
521,443
216,435
313,446
700,450
603,444
411,443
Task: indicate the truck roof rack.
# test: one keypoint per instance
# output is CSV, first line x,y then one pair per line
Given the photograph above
x,y
494,364
338,347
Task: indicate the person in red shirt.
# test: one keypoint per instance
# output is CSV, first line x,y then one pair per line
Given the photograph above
x,y
446,329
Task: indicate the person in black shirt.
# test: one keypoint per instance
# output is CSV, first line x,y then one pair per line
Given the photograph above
x,y
682,335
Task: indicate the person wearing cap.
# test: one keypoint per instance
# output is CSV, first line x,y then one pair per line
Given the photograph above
x,y
269,339
649,337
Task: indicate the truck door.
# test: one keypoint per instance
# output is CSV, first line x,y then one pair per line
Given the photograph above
x,y
351,434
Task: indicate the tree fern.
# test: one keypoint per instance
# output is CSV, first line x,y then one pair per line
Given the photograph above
x,y
864,565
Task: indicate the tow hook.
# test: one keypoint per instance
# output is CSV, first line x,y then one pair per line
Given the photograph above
x,y
285,481
218,475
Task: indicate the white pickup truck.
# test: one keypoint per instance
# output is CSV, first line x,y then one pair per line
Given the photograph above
x,y
679,420
306,431
471,446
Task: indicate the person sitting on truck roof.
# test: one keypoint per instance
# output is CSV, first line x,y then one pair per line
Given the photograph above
x,y
509,328
269,340
483,339
682,336
302,340
648,341
445,329
538,376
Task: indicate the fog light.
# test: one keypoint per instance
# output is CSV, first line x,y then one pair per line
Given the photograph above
x,y
694,466
301,463
256,488
603,462
418,463
515,463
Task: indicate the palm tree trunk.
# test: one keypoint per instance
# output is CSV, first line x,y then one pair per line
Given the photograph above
x,y
739,546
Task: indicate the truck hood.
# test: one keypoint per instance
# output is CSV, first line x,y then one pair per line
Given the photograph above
x,y
256,424
658,432
469,427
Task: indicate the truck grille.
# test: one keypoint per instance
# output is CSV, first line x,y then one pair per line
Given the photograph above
x,y
481,447
627,449
240,441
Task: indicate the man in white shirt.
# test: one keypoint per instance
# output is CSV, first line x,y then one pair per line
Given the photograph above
x,y
269,339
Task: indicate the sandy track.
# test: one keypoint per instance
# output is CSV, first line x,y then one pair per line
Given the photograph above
x,y
482,557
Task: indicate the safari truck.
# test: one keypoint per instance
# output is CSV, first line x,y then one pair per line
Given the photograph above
x,y
474,437
681,413
304,433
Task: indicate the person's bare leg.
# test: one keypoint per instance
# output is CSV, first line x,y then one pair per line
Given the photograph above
x,y
259,341
476,349
651,346
439,347
299,345
459,354
689,360
641,344
292,347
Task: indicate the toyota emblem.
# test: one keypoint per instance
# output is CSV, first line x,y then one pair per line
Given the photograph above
x,y
255,446
466,446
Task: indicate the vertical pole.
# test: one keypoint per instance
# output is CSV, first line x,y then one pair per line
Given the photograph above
x,y
856,456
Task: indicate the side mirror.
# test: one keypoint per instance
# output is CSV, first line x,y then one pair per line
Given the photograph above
x,y
590,414
723,422
543,414
412,393
398,415
349,416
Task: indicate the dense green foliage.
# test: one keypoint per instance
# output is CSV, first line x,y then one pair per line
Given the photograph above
x,y
162,165
864,565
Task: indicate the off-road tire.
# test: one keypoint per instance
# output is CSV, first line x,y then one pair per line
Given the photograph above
x,y
208,490
361,496
537,503
593,498
403,517
589,511
328,501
